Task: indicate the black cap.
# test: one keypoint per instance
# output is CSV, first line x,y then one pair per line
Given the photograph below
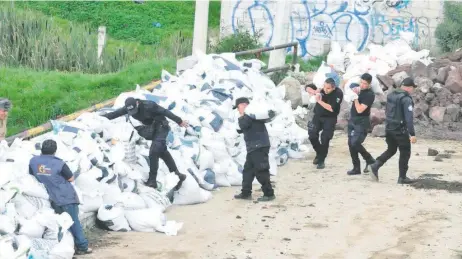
x,y
409,82
130,104
241,100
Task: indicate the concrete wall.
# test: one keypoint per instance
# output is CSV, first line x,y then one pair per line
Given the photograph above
x,y
315,23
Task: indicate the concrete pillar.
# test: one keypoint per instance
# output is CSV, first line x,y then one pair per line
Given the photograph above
x,y
278,57
201,25
101,41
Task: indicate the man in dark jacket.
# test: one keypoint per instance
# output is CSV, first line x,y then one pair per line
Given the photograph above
x,y
56,176
325,118
399,130
155,127
257,160
360,123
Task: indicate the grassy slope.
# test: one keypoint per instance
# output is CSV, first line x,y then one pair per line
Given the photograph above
x,y
40,96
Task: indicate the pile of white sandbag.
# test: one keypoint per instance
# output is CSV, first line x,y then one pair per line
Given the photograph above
x,y
378,60
110,161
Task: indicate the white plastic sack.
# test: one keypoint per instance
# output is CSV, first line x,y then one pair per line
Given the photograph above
x,y
31,228
336,58
151,220
131,201
260,111
191,193
113,217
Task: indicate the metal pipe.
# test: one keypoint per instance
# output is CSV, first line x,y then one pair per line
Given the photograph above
x,y
47,126
286,66
265,49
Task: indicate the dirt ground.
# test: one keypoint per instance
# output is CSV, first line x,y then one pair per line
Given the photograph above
x,y
319,214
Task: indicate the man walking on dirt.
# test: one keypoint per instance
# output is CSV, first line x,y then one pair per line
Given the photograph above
x,y
257,161
5,106
155,127
56,176
325,118
360,123
399,130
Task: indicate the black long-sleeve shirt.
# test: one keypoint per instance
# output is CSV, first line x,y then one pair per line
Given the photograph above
x,y
408,112
334,99
255,133
147,113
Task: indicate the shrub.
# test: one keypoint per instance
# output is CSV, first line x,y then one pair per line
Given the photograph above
x,y
449,32
242,39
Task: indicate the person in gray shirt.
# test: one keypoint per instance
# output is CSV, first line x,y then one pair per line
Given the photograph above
x,y
56,176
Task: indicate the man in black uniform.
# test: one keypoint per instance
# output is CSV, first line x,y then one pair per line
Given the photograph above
x,y
360,123
155,127
399,130
325,117
257,161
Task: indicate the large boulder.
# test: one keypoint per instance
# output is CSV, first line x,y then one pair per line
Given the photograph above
x,y
443,97
443,74
421,110
378,131
455,56
398,78
377,116
293,92
419,69
386,81
423,84
454,80
453,112
406,68
437,113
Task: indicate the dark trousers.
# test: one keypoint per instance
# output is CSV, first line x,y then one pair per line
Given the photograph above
x,y
159,150
327,125
397,141
357,133
76,229
257,165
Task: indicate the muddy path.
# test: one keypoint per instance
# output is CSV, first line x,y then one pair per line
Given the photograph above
x,y
319,214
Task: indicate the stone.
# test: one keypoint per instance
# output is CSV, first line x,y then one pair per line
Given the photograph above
x,y
432,73
386,81
449,151
309,77
423,84
454,80
443,74
378,131
443,97
293,91
377,116
406,68
439,63
455,56
437,113
429,97
418,69
444,155
435,87
453,111
438,159
421,110
432,152
398,78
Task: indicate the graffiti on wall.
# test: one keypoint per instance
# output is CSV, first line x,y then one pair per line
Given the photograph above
x,y
316,23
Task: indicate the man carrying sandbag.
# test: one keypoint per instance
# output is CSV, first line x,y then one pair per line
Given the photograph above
x,y
257,160
324,119
360,123
5,106
56,176
155,127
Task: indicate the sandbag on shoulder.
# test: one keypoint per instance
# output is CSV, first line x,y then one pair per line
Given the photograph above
x,y
260,111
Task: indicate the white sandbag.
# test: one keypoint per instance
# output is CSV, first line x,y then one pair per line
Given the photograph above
x,y
151,220
282,156
64,249
260,111
111,193
352,83
191,193
91,202
131,201
154,199
336,57
221,178
5,197
27,206
205,159
14,246
209,119
30,228
7,172
324,72
113,217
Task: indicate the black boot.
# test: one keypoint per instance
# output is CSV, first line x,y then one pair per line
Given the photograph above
x,y
375,170
369,163
355,171
152,182
243,196
405,180
315,160
321,165
182,178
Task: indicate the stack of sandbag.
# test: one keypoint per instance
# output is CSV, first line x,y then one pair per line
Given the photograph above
x,y
110,160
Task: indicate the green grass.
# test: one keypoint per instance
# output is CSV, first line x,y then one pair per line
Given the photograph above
x,y
129,21
40,96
